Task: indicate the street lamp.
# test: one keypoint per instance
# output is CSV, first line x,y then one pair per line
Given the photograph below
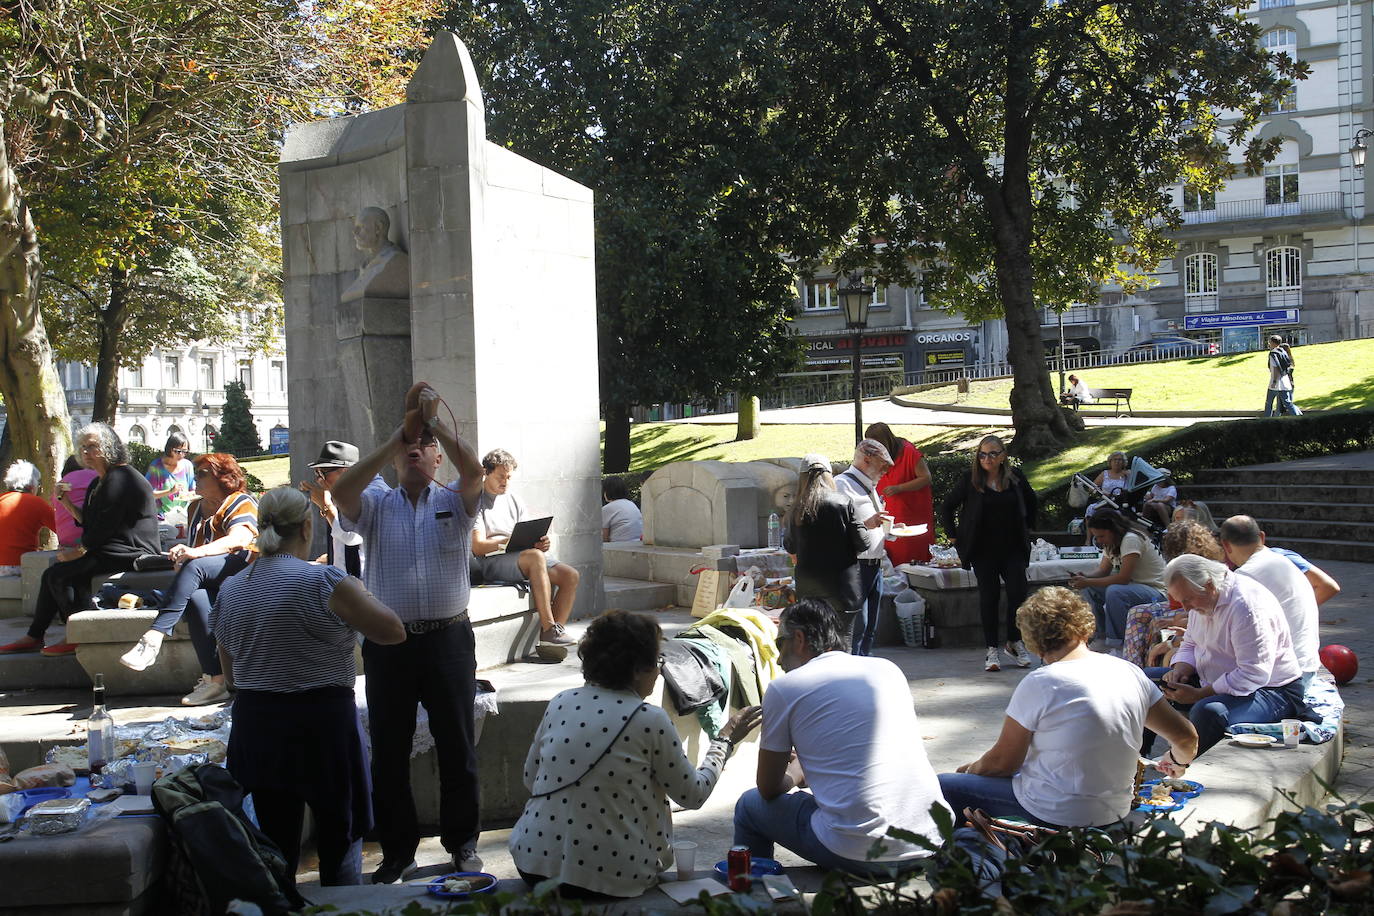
x,y
1359,148
855,297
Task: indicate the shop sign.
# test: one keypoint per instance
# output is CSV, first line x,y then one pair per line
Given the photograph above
x,y
938,358
847,343
1240,319
945,337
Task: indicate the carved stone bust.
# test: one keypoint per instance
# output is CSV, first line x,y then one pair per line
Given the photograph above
x,y
385,273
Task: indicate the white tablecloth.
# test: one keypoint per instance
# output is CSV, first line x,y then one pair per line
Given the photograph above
x,y
918,576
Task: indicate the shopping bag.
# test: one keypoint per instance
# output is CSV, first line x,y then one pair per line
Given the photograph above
x,y
742,595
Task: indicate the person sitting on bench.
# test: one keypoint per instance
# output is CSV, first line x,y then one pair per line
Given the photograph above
x,y
1078,392
497,513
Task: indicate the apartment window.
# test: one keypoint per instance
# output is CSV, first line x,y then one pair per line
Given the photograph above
x,y
879,296
133,376
246,373
1273,4
136,434
171,372
821,294
1200,283
278,370
1199,206
1280,190
207,372
1286,102
1283,276
1280,40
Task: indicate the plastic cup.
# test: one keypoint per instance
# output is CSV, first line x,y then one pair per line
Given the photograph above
x,y
1292,732
887,524
144,774
685,855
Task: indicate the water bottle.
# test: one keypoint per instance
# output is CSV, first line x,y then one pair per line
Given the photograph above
x,y
774,531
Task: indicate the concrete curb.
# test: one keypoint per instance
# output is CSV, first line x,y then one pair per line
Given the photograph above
x,y
902,401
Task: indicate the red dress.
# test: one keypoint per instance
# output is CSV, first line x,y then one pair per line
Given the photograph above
x,y
914,507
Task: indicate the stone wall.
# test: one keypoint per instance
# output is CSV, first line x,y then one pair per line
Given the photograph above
x,y
698,503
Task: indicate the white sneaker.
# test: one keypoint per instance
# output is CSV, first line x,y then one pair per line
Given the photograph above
x,y
144,654
467,860
556,635
207,691
1017,650
992,662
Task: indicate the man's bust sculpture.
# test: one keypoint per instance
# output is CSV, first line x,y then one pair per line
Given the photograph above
x,y
385,273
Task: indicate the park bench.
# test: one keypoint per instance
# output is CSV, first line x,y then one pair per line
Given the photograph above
x,y
1101,396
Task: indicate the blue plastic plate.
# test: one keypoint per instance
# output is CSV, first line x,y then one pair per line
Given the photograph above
x,y
436,887
1161,809
758,868
45,793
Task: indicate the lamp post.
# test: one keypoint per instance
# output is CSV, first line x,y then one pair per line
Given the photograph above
x,y
855,297
1359,148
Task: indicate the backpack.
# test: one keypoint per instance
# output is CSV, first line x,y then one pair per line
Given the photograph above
x,y
219,855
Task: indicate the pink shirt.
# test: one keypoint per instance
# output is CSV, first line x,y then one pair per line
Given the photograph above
x,y
68,531
1242,645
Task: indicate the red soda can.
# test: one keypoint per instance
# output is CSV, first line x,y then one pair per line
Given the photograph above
x,y
738,868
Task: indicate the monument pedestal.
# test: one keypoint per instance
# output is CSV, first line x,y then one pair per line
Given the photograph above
x,y
374,345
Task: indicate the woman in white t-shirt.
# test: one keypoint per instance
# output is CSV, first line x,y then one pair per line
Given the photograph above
x,y
621,519
1131,573
1067,753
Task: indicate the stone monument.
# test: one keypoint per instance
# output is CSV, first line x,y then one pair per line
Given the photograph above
x,y
416,249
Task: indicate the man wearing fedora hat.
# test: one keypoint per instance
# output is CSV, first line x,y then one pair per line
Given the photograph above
x,y
344,549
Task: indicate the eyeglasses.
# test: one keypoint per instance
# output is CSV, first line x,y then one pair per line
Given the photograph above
x,y
180,451
662,660
996,454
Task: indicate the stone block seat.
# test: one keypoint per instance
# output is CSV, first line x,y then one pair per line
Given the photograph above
x,y
33,564
505,625
11,596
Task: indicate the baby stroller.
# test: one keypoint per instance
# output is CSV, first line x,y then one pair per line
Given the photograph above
x,y
1128,501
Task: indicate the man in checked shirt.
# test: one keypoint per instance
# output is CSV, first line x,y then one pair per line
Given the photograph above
x,y
418,538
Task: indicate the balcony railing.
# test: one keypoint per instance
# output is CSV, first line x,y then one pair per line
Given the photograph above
x,y
178,397
1074,314
211,397
81,397
1226,210
139,396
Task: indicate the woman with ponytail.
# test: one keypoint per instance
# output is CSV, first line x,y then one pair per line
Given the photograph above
x,y
287,629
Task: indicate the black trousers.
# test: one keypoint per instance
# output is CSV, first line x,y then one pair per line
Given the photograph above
x,y
66,588
439,671
993,572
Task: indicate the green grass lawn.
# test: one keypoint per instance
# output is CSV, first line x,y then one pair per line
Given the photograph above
x,y
1327,376
273,472
652,445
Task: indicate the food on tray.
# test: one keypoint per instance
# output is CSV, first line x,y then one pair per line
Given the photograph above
x,y
70,755
1152,802
1161,793
45,774
213,747
457,885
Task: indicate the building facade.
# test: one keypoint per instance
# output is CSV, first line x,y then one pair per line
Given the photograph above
x,y
182,390
1286,252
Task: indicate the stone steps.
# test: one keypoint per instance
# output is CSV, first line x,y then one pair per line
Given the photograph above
x,y
1326,548
1322,513
30,670
634,595
1276,475
1291,491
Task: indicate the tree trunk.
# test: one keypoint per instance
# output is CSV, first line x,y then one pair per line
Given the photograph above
x,y
114,321
1040,425
35,403
747,426
616,454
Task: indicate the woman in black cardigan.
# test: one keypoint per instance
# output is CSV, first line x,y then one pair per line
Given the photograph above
x,y
118,525
827,541
996,509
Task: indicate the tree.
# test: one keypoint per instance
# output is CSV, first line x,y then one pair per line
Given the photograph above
x,y
144,130
1020,150
697,199
237,434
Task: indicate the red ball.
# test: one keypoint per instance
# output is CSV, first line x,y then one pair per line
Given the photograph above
x,y
1341,662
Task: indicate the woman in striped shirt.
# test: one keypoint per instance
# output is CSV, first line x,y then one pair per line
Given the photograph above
x,y
222,528
287,630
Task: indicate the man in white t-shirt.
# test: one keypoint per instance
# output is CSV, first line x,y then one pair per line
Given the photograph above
x,y
621,519
842,726
859,483
553,585
1243,543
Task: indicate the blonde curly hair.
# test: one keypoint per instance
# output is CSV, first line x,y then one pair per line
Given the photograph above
x,y
1055,618
1191,537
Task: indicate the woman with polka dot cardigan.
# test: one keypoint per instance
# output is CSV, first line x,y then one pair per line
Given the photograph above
x,y
603,766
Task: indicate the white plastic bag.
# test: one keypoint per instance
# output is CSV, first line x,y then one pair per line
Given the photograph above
x,y
911,617
742,595
1078,494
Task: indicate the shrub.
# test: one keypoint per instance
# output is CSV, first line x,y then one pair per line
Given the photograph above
x,y
141,456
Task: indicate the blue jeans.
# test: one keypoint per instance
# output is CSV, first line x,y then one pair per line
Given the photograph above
x,y
992,795
1111,605
786,821
1285,402
866,623
196,586
1212,716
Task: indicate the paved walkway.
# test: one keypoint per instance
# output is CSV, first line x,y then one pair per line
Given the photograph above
x,y
884,409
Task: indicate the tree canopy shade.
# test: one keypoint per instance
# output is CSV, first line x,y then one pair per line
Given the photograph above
x,y
141,144
697,198
1021,150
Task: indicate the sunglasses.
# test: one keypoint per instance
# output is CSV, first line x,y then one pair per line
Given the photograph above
x,y
996,454
781,641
